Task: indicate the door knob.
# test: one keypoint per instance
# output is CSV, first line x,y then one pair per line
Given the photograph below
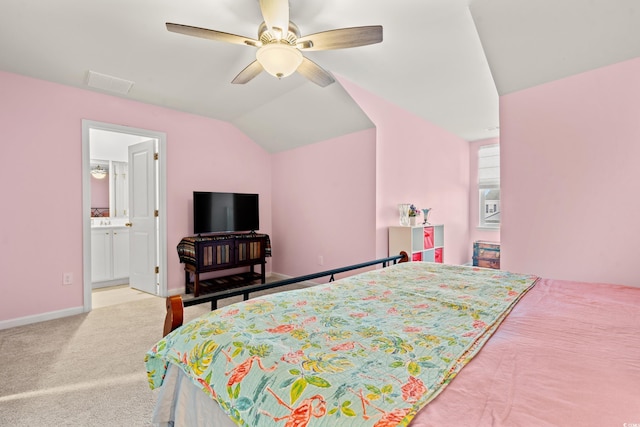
x,y
128,224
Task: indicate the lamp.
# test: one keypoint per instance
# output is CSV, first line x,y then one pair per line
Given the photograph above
x,y
98,172
279,59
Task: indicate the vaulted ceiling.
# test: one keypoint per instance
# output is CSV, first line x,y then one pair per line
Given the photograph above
x,y
446,61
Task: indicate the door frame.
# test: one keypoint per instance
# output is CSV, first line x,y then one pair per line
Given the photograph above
x,y
87,125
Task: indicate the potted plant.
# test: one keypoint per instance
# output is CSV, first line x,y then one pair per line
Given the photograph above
x,y
413,214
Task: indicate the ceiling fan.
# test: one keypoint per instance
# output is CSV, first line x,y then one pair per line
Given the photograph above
x,y
279,44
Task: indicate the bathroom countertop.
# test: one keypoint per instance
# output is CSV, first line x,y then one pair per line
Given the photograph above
x,y
112,224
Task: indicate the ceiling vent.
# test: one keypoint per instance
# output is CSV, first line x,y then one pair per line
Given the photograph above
x,y
108,83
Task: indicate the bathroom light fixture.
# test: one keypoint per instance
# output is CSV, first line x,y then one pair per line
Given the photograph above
x,y
98,172
279,59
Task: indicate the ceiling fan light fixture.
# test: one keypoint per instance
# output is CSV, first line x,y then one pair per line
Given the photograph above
x,y
279,59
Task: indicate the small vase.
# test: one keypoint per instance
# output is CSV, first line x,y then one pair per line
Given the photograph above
x,y
403,208
426,216
413,220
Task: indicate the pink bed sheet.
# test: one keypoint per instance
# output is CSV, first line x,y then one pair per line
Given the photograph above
x,y
568,354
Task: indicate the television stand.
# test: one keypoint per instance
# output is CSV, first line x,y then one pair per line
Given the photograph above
x,y
210,253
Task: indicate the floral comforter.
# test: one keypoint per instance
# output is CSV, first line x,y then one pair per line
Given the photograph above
x,y
367,350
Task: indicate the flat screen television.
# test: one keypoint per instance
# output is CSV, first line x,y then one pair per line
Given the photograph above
x,y
225,212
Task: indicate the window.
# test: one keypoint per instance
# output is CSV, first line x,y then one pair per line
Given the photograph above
x,y
489,186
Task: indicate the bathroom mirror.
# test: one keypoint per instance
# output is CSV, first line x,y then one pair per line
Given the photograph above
x,y
109,189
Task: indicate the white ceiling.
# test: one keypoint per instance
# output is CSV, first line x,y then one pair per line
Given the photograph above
x,y
107,145
443,60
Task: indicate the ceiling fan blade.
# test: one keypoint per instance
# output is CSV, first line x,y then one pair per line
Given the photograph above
x,y
250,71
276,16
315,73
212,34
341,38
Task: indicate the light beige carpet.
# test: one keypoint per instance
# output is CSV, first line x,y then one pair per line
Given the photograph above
x,y
84,370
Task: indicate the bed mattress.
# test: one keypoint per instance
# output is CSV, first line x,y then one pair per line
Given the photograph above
x,y
568,353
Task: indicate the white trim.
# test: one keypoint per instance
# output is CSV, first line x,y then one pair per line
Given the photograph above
x,y
271,277
110,283
495,227
86,201
52,315
276,277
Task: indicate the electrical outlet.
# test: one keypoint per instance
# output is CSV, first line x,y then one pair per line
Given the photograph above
x,y
320,260
67,278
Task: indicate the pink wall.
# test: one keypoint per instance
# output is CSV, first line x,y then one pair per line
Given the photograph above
x,y
348,187
324,204
336,199
476,233
417,162
41,219
570,151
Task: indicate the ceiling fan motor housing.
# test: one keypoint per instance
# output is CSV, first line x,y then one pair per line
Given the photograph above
x,y
265,36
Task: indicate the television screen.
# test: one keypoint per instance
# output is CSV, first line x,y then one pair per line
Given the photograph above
x,y
224,212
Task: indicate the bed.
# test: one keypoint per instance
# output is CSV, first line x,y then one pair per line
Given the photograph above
x,y
416,344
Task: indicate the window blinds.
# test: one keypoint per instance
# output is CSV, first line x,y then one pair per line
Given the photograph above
x,y
489,166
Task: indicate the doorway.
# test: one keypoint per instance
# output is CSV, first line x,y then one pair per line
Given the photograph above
x,y
92,130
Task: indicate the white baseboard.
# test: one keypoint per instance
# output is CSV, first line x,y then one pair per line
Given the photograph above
x,y
271,277
110,283
27,320
274,277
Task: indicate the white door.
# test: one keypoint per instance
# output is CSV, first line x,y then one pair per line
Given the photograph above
x,y
143,235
